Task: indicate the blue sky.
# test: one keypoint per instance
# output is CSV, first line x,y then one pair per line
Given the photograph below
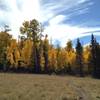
x,y
62,19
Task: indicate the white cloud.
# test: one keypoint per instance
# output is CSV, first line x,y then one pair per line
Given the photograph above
x,y
15,16
63,32
71,7
51,12
57,20
59,30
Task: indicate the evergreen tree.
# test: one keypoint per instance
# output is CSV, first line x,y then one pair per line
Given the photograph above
x,y
33,30
95,57
45,49
79,57
69,46
69,51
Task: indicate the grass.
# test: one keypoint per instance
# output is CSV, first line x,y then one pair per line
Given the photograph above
x,y
45,87
90,85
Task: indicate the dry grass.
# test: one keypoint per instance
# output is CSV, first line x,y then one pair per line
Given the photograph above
x,y
44,87
91,86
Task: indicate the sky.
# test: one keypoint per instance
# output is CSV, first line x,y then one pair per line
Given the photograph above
x,y
62,19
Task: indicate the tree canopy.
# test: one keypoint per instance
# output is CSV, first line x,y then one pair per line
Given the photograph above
x,y
34,52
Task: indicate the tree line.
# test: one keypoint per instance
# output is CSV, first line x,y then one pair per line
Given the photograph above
x,y
33,53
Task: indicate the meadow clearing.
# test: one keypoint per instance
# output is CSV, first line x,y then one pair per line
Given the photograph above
x,y
47,87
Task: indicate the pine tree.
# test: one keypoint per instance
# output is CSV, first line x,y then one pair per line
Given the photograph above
x,y
79,57
45,49
69,51
95,57
33,30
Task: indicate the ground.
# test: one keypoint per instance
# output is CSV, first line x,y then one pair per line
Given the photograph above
x,y
47,87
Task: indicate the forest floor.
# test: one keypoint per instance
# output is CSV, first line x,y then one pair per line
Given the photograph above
x,y
48,87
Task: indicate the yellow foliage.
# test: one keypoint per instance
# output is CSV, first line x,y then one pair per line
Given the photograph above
x,y
52,58
70,56
26,51
86,54
13,54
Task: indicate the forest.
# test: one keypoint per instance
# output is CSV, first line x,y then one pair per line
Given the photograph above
x,y
33,52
